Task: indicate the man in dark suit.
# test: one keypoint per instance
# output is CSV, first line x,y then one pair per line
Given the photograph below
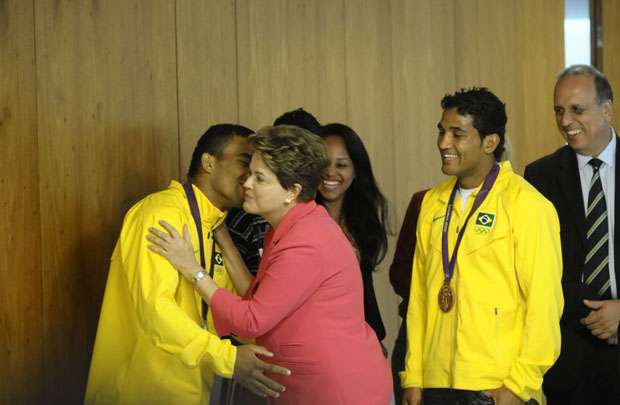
x,y
580,179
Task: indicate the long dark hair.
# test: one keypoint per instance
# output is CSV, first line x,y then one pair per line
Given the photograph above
x,y
364,208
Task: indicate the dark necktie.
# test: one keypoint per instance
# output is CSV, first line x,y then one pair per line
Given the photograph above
x,y
596,267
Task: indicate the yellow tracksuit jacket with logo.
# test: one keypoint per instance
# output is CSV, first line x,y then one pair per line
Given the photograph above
x,y
151,347
504,327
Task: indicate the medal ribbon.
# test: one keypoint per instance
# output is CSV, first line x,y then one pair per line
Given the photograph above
x,y
193,206
450,263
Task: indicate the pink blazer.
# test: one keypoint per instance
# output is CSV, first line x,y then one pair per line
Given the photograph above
x,y
306,306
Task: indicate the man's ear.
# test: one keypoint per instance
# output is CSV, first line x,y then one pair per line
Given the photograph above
x,y
207,162
608,111
490,143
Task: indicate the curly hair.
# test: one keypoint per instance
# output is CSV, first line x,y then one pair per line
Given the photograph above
x,y
294,155
364,208
487,110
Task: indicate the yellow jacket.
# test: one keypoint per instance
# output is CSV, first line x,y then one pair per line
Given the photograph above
x,y
151,347
504,328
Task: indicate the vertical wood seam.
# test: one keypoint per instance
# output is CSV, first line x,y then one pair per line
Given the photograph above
x,y
176,65
42,362
345,62
237,85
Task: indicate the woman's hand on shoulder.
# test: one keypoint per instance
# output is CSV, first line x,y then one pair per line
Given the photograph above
x,y
174,247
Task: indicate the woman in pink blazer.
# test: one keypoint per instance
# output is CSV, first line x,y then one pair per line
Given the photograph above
x,y
306,302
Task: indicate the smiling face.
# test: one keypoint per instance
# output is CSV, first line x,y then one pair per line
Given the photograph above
x,y
264,195
463,153
340,173
582,121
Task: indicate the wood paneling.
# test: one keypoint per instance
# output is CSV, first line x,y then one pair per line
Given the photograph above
x,y
125,87
611,50
370,112
422,75
108,134
540,56
21,328
290,54
207,70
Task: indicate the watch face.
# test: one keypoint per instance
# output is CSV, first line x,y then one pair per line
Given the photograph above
x,y
199,276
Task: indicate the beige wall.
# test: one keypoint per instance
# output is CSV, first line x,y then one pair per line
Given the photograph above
x,y
611,50
102,102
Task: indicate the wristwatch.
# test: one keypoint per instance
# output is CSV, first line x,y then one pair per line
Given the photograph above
x,y
199,276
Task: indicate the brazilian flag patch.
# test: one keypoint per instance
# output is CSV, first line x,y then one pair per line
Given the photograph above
x,y
485,219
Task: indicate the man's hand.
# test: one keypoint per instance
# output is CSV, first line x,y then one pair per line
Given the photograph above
x,y
412,396
503,396
603,319
249,371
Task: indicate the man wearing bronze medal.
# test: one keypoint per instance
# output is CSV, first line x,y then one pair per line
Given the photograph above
x,y
486,297
155,344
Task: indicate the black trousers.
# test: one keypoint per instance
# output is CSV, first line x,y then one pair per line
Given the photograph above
x,y
398,360
598,383
448,396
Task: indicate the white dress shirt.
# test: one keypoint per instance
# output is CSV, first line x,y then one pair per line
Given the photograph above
x,y
608,180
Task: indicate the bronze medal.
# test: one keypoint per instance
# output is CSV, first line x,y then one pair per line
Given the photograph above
x,y
446,298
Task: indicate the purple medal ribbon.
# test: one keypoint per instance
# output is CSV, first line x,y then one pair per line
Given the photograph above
x,y
193,206
450,263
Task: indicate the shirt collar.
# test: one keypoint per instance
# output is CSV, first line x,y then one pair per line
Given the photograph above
x,y
608,155
301,209
504,168
210,215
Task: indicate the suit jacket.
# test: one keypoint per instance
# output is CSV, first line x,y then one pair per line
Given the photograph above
x,y
556,176
400,270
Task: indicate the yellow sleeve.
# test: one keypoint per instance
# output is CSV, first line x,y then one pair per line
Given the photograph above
x,y
416,315
538,262
158,295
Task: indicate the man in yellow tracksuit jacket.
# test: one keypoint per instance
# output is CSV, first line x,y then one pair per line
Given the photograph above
x,y
486,331
152,346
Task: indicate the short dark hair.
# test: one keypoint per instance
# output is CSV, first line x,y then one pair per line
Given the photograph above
x,y
294,155
300,118
603,88
213,142
486,109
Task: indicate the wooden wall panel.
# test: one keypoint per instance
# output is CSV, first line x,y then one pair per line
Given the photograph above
x,y
207,70
611,51
498,68
108,131
287,60
539,55
422,75
21,328
370,112
125,87
467,50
